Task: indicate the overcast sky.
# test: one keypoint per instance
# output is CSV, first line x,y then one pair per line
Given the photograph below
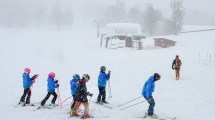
x,y
196,10
203,5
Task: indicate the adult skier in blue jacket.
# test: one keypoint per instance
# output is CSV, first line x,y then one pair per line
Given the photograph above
x,y
27,83
73,87
102,80
147,91
52,84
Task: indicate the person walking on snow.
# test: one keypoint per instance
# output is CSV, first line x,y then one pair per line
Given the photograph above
x,y
27,83
147,91
73,87
81,97
52,84
102,80
176,65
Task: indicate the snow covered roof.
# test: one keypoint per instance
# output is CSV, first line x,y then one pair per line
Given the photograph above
x,y
123,29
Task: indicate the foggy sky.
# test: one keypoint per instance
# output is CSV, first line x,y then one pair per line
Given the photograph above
x,y
196,10
202,5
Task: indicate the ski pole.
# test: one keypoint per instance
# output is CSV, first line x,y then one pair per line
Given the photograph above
x,y
59,99
65,100
130,101
32,85
132,105
109,88
90,100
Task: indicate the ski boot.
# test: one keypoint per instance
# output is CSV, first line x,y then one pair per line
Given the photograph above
x,y
85,116
74,115
21,103
152,116
105,102
98,102
53,104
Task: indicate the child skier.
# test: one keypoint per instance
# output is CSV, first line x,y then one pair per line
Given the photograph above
x,y
176,64
52,84
102,79
147,91
73,87
81,97
27,83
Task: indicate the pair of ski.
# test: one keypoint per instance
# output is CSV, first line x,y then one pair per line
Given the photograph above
x,y
92,116
45,107
156,117
82,117
24,105
104,105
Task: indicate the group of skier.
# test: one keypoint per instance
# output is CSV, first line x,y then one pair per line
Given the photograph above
x,y
28,84
79,89
79,92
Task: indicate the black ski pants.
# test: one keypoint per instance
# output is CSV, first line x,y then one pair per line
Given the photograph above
x,y
102,94
28,93
47,97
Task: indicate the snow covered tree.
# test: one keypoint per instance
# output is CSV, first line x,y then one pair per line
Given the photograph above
x,y
61,15
134,15
178,13
150,18
115,13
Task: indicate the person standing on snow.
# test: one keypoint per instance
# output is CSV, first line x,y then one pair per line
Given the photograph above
x,y
27,83
147,91
74,87
102,80
176,65
81,97
52,84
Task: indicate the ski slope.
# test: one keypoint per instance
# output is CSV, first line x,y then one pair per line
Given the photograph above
x,y
67,52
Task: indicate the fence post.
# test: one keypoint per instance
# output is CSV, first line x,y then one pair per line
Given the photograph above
x,y
199,57
210,60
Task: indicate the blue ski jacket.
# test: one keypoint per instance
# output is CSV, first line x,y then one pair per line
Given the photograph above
x,y
27,81
102,79
73,86
148,87
51,85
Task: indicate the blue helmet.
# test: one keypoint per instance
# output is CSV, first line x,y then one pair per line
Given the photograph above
x,y
76,77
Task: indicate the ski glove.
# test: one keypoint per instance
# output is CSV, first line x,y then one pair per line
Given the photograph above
x,y
56,81
35,76
109,71
90,94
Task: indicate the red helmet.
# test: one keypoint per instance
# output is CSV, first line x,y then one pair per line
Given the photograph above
x,y
52,74
27,70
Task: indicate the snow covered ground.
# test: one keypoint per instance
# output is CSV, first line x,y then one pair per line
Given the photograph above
x,y
67,52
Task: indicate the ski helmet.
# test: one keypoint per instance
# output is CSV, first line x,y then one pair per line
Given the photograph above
x,y
76,77
103,68
176,56
52,74
157,76
86,77
27,70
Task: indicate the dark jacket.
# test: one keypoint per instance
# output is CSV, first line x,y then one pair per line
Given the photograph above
x,y
176,64
82,92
